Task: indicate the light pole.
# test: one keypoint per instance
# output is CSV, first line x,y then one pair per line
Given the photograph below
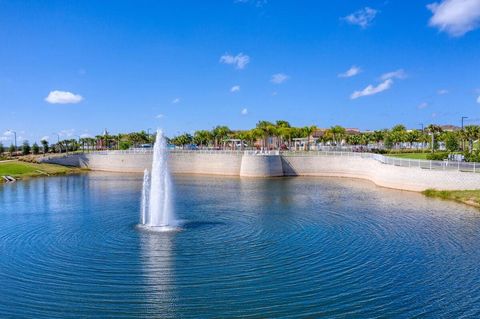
x,y
58,141
463,141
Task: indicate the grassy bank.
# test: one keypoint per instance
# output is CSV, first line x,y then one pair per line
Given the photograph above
x,y
420,156
21,170
470,197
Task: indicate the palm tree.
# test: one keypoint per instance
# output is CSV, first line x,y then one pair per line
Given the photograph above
x,y
433,130
44,146
338,133
307,132
471,133
219,133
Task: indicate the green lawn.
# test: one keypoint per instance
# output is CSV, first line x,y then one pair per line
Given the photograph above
x,y
19,169
421,156
470,197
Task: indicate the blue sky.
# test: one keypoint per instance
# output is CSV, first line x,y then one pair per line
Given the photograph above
x,y
77,67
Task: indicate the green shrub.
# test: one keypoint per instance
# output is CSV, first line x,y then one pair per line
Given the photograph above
x,y
439,156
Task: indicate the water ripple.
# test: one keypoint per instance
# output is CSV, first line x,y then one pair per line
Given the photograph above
x,y
291,248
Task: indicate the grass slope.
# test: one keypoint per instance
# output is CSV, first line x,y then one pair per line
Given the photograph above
x,y
420,156
19,169
469,197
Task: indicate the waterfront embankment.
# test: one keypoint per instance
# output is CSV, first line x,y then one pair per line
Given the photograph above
x,y
411,175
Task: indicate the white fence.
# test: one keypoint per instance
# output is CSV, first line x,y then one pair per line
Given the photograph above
x,y
403,162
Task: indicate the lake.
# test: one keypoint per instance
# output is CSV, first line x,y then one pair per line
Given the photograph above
x,y
252,248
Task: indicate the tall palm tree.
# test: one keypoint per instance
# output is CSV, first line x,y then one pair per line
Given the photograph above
x,y
433,130
471,133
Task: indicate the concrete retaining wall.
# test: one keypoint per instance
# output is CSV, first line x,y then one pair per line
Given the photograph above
x,y
405,178
261,166
238,164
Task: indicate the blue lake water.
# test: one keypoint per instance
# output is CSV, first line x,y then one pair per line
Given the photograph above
x,y
252,248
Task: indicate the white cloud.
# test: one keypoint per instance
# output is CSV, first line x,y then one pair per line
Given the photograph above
x,y
371,90
63,97
362,17
456,17
478,100
45,138
159,116
235,88
423,105
176,100
240,60
85,135
442,92
8,133
279,78
354,70
244,111
398,74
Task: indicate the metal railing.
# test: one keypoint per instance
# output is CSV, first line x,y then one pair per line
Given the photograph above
x,y
395,161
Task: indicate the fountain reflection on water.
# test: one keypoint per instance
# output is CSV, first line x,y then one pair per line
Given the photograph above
x,y
157,211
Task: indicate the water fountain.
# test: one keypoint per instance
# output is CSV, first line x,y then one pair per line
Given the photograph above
x,y
157,212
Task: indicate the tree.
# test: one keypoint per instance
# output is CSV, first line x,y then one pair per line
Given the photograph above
x,y
35,148
220,133
338,133
44,146
202,137
2,149
433,130
308,131
471,133
12,149
25,148
451,142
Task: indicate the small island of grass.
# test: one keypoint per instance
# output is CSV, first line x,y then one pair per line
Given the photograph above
x,y
469,197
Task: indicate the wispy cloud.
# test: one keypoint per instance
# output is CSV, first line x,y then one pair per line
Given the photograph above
x,y
244,111
176,100
442,92
422,105
455,17
45,138
478,99
235,88
67,132
362,17
159,116
85,135
279,78
398,74
63,97
372,90
258,3
354,70
240,60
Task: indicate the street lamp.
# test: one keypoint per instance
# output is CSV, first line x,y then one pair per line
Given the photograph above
x,y
58,141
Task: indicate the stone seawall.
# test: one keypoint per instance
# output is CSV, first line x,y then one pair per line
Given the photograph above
x,y
249,165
